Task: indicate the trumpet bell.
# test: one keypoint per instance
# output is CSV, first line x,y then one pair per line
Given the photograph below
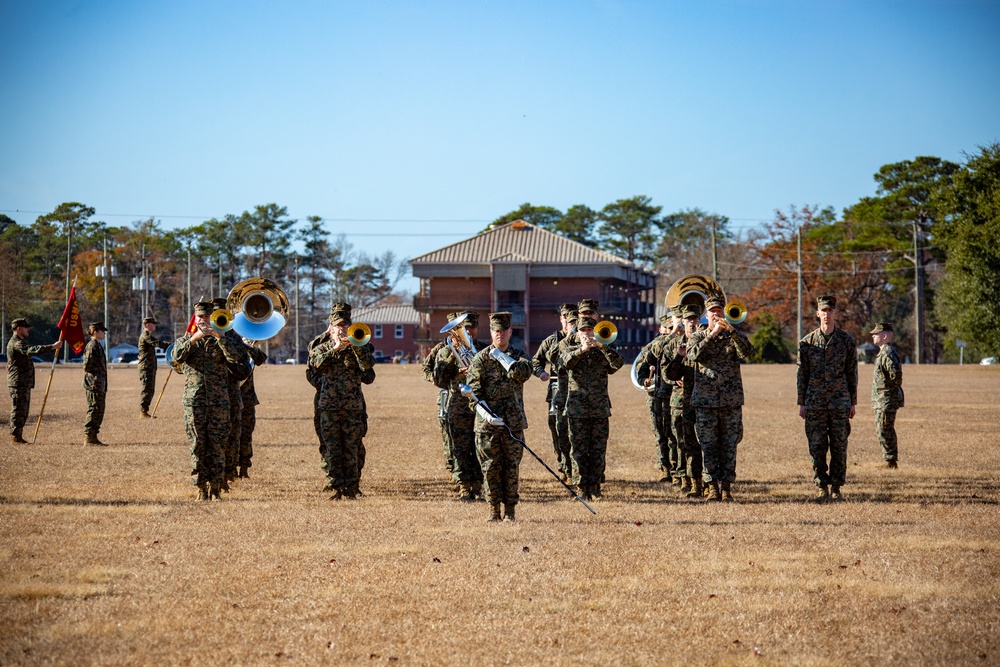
x,y
260,306
221,320
735,312
359,334
176,365
605,332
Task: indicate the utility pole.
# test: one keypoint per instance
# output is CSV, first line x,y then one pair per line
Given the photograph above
x,y
918,301
69,267
715,254
107,345
296,309
189,309
798,329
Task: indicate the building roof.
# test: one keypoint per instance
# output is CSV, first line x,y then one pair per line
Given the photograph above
x,y
518,242
389,314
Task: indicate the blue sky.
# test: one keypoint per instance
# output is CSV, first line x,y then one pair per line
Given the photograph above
x,y
410,125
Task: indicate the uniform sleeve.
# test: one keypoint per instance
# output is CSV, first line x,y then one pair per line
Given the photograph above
x,y
615,360
696,344
237,360
520,370
569,353
851,370
257,355
474,378
541,358
802,373
364,355
744,348
445,368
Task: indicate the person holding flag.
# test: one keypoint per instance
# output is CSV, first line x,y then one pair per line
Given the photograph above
x,y
21,375
147,363
95,381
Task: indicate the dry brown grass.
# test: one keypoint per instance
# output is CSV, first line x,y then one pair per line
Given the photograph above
x,y
106,558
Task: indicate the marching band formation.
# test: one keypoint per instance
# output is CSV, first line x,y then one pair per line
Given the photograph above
x,y
690,373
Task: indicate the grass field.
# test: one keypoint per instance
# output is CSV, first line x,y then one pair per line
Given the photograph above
x,y
107,558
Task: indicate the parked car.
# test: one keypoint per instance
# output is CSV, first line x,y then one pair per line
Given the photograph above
x,y
126,358
988,361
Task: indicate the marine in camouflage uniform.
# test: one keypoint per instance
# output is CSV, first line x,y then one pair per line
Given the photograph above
x,y
650,366
208,360
21,376
887,392
502,390
427,372
555,395
717,397
248,418
339,368
95,382
460,420
588,406
680,372
147,363
827,384
231,451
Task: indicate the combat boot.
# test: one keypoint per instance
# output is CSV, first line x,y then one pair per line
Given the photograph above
x,y
92,439
713,490
145,414
224,485
675,481
352,492
823,495
595,490
477,491
494,513
664,475
727,495
244,473
508,512
17,440
685,484
214,491
835,493
466,493
891,464
697,488
203,491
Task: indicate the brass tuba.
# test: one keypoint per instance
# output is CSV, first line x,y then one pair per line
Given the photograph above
x,y
697,289
458,340
260,308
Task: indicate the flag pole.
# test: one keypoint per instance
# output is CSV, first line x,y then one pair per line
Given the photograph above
x,y
48,385
170,371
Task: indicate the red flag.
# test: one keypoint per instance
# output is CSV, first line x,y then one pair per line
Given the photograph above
x,y
70,324
192,327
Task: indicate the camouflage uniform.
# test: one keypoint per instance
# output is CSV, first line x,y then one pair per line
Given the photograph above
x,y
827,386
208,364
147,368
683,415
499,454
341,416
248,418
20,380
655,356
555,396
459,420
717,397
588,407
95,382
427,372
887,398
231,450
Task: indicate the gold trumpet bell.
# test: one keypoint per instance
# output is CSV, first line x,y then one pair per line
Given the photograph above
x,y
359,334
221,320
735,312
260,308
605,332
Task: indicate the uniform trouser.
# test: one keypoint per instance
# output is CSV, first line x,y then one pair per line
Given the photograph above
x,y
207,428
340,443
147,381
589,442
461,427
562,432
668,453
248,422
719,431
20,402
682,424
500,458
827,432
232,447
449,462
95,411
885,428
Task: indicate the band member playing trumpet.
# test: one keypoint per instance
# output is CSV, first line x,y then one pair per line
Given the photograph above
x,y
588,363
555,396
450,370
718,396
681,371
208,358
338,366
232,448
650,365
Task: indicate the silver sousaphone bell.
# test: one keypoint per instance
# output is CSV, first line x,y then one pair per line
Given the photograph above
x,y
259,307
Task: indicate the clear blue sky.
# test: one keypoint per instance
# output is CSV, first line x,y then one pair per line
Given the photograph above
x,y
445,115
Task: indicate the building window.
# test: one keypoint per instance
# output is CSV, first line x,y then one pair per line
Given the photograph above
x,y
399,331
378,331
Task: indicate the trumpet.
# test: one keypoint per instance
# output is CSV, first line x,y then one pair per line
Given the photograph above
x,y
459,342
735,312
221,320
359,334
605,332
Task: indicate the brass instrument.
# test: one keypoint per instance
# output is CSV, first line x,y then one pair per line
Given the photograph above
x,y
458,340
359,334
697,289
605,332
505,359
260,308
221,320
735,312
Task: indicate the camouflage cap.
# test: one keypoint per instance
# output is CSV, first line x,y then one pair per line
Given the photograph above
x,y
340,317
19,322
573,318
149,320
880,327
567,308
826,302
219,302
587,306
500,321
667,320
204,308
97,326
714,302
340,307
691,311
471,318
586,322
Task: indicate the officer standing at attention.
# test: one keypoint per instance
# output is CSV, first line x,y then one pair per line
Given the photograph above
x,y
21,375
827,383
502,390
95,381
147,363
887,392
208,359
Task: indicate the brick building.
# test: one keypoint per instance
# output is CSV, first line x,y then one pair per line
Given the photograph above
x,y
393,328
529,271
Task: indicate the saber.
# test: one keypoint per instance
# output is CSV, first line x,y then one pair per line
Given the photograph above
x,y
492,419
